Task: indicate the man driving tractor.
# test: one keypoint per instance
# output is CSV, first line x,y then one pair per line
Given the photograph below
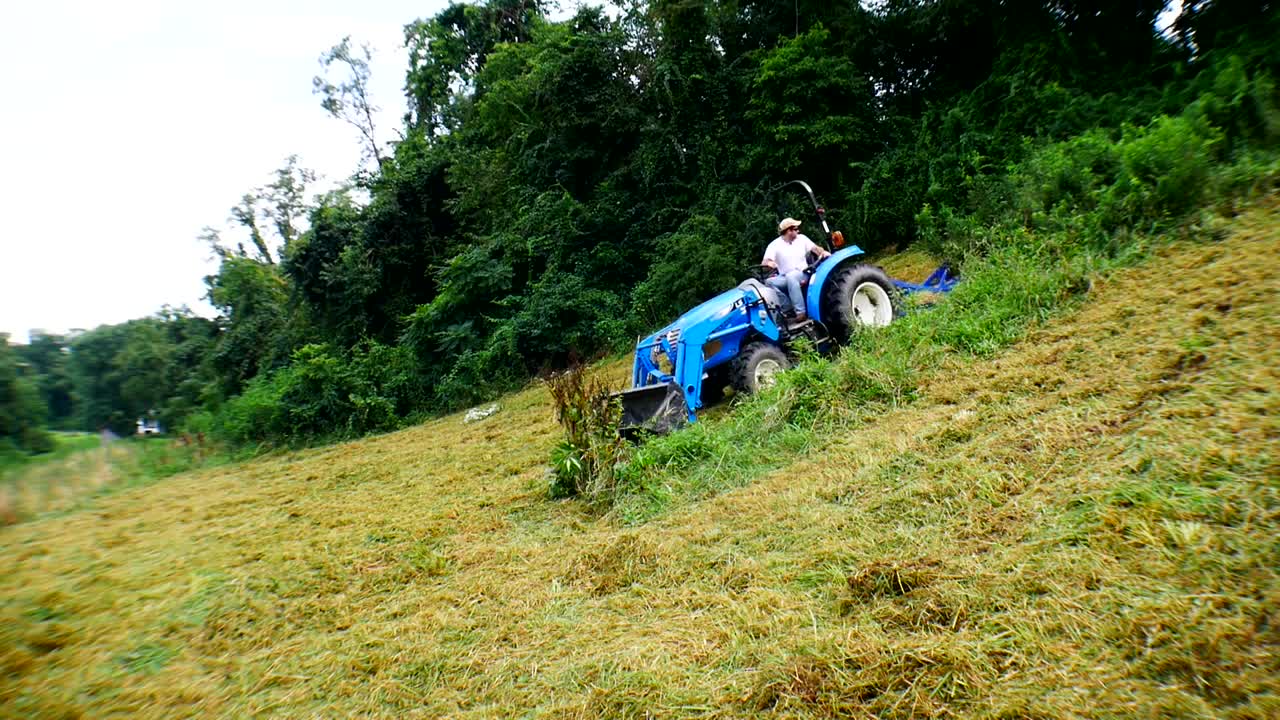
x,y
789,255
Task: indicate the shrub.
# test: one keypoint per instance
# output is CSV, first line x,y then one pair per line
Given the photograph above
x,y
481,374
252,416
325,394
696,261
1165,168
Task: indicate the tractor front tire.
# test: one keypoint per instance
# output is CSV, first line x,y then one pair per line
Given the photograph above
x,y
859,296
756,366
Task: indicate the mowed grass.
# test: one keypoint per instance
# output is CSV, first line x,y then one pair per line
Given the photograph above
x,y
1082,526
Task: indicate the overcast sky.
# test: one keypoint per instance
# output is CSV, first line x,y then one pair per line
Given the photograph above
x,y
128,126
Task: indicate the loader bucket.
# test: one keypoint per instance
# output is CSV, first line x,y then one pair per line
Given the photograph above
x,y
656,408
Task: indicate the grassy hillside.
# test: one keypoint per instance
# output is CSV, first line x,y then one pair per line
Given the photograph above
x,y
1083,526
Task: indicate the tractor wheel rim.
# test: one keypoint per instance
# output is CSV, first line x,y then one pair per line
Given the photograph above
x,y
766,372
871,305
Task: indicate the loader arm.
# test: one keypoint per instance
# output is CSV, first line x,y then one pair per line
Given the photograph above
x,y
707,336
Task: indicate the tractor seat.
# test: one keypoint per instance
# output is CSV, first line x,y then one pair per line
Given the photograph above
x,y
772,297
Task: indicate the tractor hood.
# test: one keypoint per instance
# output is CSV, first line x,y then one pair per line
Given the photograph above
x,y
715,328
671,363
721,307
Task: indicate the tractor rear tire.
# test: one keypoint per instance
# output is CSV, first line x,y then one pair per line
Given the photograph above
x,y
857,297
756,366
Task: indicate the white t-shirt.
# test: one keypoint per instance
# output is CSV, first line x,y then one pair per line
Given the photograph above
x,y
790,255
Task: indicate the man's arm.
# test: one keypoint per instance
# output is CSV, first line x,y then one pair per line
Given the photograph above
x,y
770,257
815,247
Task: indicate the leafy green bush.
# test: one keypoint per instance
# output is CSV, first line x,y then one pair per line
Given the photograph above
x,y
1165,169
1081,192
1246,106
697,261
250,418
323,394
22,410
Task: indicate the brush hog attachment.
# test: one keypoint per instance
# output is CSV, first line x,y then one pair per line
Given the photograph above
x,y
655,408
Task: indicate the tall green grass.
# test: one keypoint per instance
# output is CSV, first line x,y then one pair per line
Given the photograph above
x,y
83,468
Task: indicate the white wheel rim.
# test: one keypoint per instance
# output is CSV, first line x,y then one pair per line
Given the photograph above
x,y
766,372
871,305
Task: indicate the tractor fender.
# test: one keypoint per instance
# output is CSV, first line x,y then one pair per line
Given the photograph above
x,y
818,283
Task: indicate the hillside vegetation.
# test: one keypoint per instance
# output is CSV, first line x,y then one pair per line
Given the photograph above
x,y
1081,524
561,183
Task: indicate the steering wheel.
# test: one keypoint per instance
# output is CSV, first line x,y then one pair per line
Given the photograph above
x,y
812,267
761,272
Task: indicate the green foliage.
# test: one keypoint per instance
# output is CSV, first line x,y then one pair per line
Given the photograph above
x,y
47,356
22,412
349,100
448,51
256,336
153,367
560,186
323,393
812,110
697,261
1090,187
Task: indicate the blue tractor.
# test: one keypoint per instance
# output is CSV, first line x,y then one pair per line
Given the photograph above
x,y
741,337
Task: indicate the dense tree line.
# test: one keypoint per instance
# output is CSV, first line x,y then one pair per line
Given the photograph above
x,y
558,187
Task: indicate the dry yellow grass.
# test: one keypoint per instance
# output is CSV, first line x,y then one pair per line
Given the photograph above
x,y
1082,527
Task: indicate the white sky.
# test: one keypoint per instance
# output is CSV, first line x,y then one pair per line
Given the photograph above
x,y
128,126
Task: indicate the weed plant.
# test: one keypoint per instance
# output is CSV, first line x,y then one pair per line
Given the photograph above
x,y
585,463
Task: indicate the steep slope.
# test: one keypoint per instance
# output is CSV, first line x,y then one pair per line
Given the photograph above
x,y
1083,526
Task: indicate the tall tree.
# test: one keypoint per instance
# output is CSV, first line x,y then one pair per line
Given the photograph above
x,y
22,414
347,96
47,354
273,215
447,52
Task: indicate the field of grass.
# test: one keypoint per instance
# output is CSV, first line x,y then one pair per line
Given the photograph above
x,y
1082,525
64,444
83,467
